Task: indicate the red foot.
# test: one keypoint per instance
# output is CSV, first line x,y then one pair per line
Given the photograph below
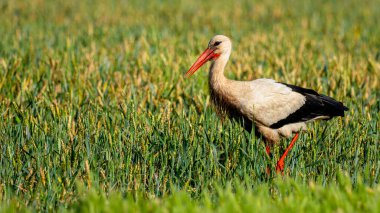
x,y
281,163
268,170
280,167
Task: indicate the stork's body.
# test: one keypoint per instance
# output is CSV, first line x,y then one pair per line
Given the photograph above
x,y
276,109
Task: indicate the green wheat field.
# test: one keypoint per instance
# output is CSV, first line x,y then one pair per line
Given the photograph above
x,y
96,116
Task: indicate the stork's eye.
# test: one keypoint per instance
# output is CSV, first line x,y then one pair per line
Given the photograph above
x,y
217,43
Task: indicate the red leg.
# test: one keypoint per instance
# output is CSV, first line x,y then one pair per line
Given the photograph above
x,y
267,149
281,163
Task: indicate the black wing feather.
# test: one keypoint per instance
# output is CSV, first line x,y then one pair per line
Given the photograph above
x,y
315,105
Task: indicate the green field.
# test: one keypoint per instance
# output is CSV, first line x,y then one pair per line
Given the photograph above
x,y
95,114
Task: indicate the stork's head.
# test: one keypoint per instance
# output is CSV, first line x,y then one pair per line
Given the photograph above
x,y
219,46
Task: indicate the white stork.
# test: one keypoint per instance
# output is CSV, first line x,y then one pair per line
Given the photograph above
x,y
276,109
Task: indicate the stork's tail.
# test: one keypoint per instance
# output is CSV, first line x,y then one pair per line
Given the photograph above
x,y
332,106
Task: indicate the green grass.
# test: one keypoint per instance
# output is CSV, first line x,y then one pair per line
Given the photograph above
x,y
282,195
93,101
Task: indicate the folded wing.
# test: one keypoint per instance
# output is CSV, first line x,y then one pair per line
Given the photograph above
x,y
277,104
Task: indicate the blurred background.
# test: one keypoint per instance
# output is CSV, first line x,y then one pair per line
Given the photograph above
x,y
92,94
129,43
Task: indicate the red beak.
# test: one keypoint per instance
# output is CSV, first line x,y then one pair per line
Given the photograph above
x,y
207,55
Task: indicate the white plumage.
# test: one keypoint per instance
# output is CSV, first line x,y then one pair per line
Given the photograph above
x,y
264,101
275,109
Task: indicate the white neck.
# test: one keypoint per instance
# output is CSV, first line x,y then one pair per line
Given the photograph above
x,y
216,75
